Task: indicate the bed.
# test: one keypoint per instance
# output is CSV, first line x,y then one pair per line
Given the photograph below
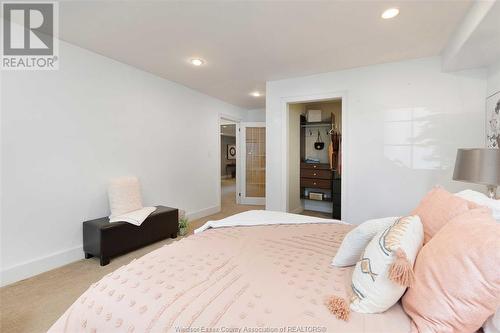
x,y
257,271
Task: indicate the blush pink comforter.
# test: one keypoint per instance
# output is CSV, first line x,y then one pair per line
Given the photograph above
x,y
241,279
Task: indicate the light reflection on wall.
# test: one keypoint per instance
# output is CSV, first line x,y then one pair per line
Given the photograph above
x,y
409,138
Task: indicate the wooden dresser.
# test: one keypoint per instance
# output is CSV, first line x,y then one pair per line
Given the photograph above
x,y
320,177
315,175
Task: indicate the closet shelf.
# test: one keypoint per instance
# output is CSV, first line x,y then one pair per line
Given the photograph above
x,y
315,125
324,199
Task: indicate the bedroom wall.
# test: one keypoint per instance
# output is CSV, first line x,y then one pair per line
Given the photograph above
x,y
65,133
258,115
405,121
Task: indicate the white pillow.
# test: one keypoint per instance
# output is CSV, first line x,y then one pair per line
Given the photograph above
x,y
356,240
492,325
482,200
124,195
389,257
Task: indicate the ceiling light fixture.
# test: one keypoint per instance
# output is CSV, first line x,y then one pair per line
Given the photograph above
x,y
197,61
390,13
256,94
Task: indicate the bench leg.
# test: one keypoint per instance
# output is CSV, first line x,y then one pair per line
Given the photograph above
x,y
104,261
88,256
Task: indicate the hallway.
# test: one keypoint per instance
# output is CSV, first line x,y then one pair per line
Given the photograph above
x,y
228,199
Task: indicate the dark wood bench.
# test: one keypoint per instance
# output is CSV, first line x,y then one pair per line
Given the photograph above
x,y
106,240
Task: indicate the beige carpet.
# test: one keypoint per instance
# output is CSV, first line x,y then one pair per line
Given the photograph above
x,y
34,304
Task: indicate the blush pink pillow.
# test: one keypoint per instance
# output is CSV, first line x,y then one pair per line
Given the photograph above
x,y
457,276
437,208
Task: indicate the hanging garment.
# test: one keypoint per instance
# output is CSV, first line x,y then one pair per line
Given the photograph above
x,y
335,138
335,141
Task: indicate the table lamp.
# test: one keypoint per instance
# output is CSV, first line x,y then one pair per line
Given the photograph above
x,y
479,166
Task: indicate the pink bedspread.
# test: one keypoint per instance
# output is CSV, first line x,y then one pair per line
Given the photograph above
x,y
250,279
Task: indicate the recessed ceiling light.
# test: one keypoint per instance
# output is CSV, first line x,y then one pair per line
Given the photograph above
x,y
197,61
390,13
256,94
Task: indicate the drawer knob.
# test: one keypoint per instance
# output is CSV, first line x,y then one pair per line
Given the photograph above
x,y
314,183
314,174
314,166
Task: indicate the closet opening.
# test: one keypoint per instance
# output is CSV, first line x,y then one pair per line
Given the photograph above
x,y
315,158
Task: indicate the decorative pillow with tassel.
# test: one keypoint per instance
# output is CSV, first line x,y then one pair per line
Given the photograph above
x,y
384,270
356,240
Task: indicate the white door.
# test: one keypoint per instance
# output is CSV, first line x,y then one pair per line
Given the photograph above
x,y
253,163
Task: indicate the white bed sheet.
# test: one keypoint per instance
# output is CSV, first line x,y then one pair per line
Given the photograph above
x,y
263,217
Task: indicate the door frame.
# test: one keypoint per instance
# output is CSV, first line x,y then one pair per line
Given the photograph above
x,y
236,121
242,162
285,101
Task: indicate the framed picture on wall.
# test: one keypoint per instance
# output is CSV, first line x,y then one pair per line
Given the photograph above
x,y
231,152
493,121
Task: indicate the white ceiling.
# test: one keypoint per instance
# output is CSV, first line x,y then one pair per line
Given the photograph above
x,y
476,42
247,43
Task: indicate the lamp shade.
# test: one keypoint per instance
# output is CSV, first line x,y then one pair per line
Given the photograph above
x,y
480,166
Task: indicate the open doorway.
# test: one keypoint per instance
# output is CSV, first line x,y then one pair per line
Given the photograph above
x,y
229,153
242,165
315,158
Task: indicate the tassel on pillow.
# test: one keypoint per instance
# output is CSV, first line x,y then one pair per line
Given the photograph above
x,y
339,307
401,270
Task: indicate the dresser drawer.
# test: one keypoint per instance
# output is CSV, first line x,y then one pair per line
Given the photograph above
x,y
315,183
317,174
317,166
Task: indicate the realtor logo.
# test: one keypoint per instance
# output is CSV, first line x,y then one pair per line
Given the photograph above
x,y
28,32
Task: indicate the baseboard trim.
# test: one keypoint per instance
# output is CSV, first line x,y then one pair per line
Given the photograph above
x,y
203,212
39,265
297,210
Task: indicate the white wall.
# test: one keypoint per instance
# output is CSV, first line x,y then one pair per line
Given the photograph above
x,y
404,122
65,133
494,79
257,115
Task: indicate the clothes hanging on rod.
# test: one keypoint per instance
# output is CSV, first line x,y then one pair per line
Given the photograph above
x,y
334,152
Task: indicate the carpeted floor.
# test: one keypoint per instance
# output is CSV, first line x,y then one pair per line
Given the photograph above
x,y
34,304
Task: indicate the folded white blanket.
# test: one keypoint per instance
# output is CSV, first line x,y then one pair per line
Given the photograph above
x,y
263,217
135,217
